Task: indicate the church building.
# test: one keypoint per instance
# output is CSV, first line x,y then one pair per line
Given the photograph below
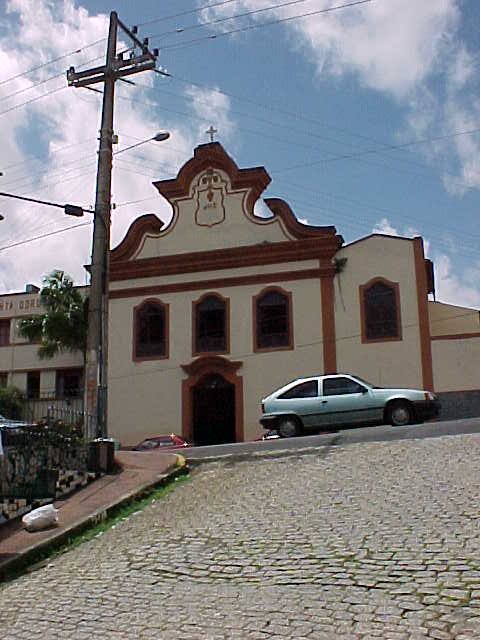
x,y
220,307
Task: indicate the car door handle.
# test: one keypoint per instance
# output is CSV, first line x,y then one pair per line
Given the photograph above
x,y
324,401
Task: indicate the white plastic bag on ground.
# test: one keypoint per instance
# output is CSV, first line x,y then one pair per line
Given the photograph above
x,y
41,518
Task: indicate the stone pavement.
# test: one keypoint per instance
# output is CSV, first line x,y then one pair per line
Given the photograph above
x,y
377,540
140,471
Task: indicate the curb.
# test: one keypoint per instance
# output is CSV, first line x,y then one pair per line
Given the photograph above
x,y
321,449
22,560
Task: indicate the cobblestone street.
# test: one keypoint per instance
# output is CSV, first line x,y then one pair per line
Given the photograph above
x,y
378,540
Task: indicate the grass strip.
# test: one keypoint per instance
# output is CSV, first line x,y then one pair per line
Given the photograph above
x,y
38,559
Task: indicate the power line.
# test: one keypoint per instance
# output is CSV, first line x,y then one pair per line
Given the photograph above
x,y
298,345
225,19
186,13
388,148
52,61
45,235
264,24
23,104
283,140
382,151
40,82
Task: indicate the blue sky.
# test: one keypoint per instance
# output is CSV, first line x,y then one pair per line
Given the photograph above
x,y
364,116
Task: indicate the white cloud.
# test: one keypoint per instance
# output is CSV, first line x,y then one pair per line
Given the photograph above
x,y
410,51
452,286
212,107
63,130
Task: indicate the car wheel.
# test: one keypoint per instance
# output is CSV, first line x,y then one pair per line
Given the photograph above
x,y
400,413
289,428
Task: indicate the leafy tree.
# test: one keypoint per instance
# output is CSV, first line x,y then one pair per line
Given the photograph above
x,y
11,402
63,325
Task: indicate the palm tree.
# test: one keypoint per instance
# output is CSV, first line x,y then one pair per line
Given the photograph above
x,y
63,325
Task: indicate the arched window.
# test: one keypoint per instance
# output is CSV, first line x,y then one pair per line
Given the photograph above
x,y
380,300
210,322
151,330
273,320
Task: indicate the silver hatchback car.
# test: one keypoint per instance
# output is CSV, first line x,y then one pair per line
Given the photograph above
x,y
343,399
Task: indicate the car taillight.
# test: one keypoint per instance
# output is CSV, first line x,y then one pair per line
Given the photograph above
x,y
263,407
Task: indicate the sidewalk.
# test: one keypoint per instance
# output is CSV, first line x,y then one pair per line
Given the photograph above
x,y
141,472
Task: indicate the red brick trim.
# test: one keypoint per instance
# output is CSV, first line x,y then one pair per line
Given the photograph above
x,y
195,303
423,319
362,289
255,299
218,283
136,309
282,209
328,324
232,258
214,156
148,223
196,370
457,336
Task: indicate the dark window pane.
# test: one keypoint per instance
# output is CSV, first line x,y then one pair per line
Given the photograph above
x,y
4,332
210,323
303,390
151,338
381,312
3,380
273,328
341,386
33,384
69,383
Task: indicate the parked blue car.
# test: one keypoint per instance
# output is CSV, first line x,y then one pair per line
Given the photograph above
x,y
343,399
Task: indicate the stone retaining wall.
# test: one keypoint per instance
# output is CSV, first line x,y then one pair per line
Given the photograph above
x,y
459,404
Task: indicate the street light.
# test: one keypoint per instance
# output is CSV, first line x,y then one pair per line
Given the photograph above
x,y
159,137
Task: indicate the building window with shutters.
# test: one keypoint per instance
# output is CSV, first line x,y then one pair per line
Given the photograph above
x,y
211,324
272,320
150,331
380,311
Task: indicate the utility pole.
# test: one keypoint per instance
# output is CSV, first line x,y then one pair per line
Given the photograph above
x,y
96,365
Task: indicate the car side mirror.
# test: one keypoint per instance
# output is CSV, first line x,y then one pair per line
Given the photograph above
x,y
364,390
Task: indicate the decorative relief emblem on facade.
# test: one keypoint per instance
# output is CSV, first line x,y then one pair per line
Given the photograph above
x,y
210,192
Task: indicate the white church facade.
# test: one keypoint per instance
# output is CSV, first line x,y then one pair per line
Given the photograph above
x,y
214,311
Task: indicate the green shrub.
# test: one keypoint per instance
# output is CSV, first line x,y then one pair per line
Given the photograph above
x,y
11,402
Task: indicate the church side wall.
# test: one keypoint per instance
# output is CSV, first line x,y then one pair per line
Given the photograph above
x,y
390,363
456,364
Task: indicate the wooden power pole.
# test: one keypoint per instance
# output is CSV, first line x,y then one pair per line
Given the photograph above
x,y
96,367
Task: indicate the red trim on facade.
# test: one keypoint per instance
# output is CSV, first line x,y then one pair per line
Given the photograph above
x,y
148,223
217,283
291,341
327,293
198,369
423,318
457,336
393,285
323,247
282,209
213,155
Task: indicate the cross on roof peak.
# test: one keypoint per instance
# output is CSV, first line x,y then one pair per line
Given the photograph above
x,y
211,132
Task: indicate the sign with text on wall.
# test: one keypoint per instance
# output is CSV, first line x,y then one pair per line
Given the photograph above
x,y
19,305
